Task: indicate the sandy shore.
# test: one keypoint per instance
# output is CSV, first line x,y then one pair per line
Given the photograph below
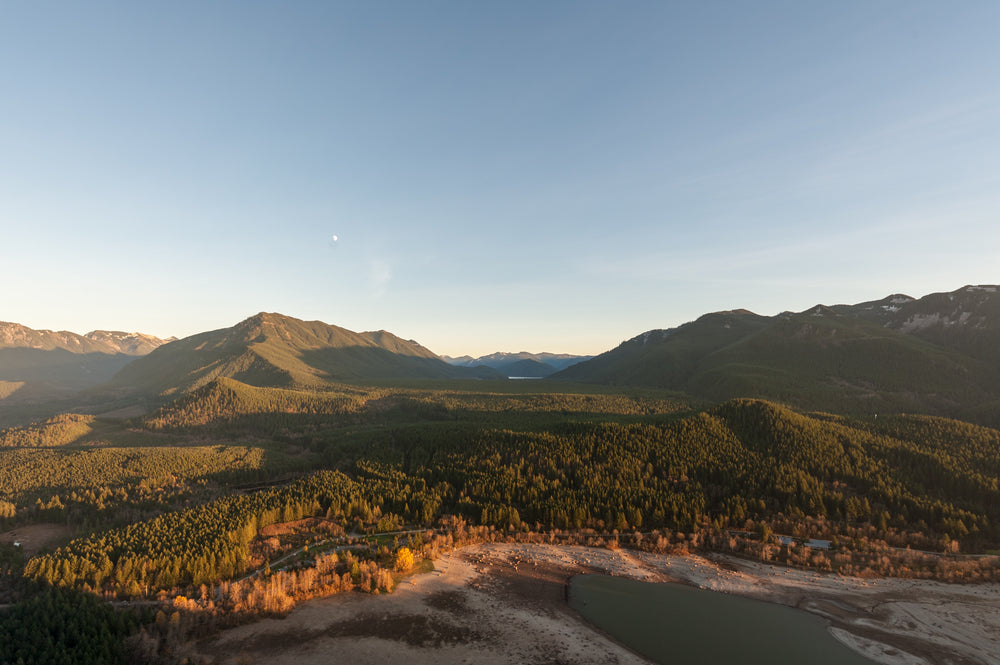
x,y
892,621
505,603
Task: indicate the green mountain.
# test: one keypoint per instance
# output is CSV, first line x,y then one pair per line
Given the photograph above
x,y
666,358
272,350
935,355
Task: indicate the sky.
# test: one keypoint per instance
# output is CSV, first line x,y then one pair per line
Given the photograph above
x,y
500,176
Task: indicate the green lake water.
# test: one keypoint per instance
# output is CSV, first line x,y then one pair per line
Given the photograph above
x,y
677,624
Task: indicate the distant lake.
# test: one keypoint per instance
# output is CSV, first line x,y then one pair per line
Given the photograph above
x,y
681,625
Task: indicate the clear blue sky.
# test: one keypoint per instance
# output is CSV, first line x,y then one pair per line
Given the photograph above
x,y
541,176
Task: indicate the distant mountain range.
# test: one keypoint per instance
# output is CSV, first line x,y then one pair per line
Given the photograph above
x,y
939,354
42,364
523,364
936,354
14,335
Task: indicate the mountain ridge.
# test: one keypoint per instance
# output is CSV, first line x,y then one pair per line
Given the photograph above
x,y
39,365
937,354
16,335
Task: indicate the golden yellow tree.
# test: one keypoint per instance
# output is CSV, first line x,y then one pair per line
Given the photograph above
x,y
404,559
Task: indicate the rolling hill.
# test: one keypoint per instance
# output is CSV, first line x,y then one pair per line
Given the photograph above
x,y
938,354
273,350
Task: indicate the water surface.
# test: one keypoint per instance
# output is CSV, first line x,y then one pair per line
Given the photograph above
x,y
680,625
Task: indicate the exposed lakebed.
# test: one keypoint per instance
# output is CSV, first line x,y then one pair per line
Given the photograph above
x,y
674,623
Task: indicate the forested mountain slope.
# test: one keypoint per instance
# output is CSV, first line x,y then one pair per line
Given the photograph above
x,y
281,351
966,320
935,355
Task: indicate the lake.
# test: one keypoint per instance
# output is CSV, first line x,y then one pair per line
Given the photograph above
x,y
678,624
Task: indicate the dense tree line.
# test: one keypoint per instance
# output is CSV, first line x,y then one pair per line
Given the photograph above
x,y
225,402
743,460
63,627
511,461
740,463
57,431
96,475
195,546
230,407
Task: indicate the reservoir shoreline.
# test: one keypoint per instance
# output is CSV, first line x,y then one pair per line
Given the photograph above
x,y
506,602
